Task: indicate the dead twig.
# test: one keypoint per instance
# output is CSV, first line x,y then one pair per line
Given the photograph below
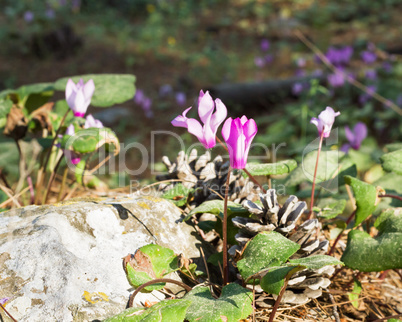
x,y
348,78
334,308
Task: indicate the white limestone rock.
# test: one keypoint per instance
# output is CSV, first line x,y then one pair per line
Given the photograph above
x,y
63,262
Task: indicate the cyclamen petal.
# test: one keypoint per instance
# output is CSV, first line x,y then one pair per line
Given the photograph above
x,y
325,121
90,121
205,133
181,120
206,107
78,96
195,128
219,116
238,135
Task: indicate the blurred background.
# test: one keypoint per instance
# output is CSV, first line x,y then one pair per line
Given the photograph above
x,y
281,62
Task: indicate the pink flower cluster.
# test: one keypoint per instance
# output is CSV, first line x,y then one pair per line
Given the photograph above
x,y
237,133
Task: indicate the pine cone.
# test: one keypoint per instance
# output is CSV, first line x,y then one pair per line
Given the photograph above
x,y
206,176
306,284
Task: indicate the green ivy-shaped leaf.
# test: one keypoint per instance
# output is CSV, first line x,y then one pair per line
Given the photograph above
x,y
5,107
26,90
391,147
365,195
110,89
333,209
315,261
274,278
265,250
332,166
392,162
21,94
178,194
167,310
216,207
273,281
151,262
266,169
233,305
90,140
368,254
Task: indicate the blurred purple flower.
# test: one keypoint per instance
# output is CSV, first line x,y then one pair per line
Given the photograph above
x,y
355,137
297,89
336,79
268,58
317,72
259,62
139,96
165,90
29,16
325,121
365,97
301,62
339,56
146,107
368,57
264,45
49,13
371,74
181,98
300,73
387,66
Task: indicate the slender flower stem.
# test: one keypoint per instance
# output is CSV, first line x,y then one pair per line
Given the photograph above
x,y
391,196
31,189
4,309
245,170
155,281
49,185
63,183
315,175
22,168
225,233
42,171
340,234
278,300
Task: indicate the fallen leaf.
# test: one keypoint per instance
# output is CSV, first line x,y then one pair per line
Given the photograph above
x,y
41,116
16,126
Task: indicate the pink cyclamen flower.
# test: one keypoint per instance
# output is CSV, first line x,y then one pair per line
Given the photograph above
x,y
78,96
71,156
336,79
206,134
325,121
238,134
355,137
90,121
